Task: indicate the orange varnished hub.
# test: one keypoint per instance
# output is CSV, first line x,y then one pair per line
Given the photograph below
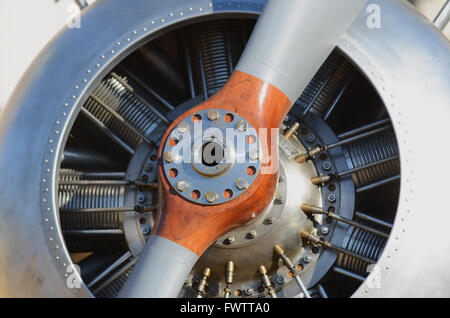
x,y
195,226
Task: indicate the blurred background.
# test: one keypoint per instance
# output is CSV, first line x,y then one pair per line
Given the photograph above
x,y
27,25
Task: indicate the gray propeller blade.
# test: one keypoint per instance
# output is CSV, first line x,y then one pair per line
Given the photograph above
x,y
293,38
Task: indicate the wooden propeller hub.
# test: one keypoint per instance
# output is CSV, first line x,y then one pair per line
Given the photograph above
x,y
195,219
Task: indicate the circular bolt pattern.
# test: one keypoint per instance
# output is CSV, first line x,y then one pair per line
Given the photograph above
x,y
209,159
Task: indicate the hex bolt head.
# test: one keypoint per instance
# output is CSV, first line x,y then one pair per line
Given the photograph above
x,y
311,138
183,127
242,184
141,198
253,154
324,229
212,196
331,197
278,200
307,259
148,167
242,125
182,186
168,157
249,291
326,165
229,240
270,220
252,234
145,230
280,280
213,115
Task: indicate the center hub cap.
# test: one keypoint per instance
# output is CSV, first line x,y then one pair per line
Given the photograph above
x,y
212,156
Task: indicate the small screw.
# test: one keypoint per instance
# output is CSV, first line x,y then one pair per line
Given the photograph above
x,y
183,127
145,230
331,197
229,240
241,184
212,196
324,229
148,167
311,138
141,198
213,115
242,125
280,280
307,259
278,200
270,220
249,291
326,165
251,234
182,186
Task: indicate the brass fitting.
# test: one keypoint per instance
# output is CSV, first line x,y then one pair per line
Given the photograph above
x,y
286,260
311,209
203,282
291,131
278,250
321,179
228,279
266,281
309,155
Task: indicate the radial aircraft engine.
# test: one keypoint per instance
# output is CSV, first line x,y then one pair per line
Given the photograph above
x,y
237,149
